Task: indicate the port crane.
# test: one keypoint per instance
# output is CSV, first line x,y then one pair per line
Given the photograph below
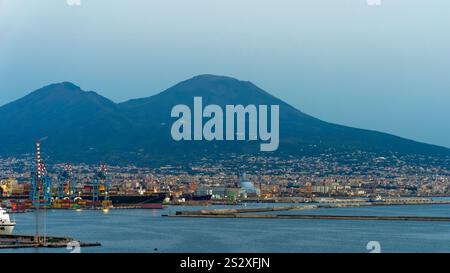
x,y
40,190
100,184
66,183
41,182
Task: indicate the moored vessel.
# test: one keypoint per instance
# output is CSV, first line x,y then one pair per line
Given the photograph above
x,y
6,225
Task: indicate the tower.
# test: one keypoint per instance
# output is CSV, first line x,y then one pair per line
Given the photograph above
x,y
40,190
41,183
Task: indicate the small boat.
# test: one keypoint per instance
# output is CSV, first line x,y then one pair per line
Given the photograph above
x,y
376,199
6,226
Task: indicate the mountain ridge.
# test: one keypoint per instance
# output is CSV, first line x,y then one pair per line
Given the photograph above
x,y
85,126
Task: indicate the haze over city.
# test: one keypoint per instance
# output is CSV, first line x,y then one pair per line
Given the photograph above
x,y
341,61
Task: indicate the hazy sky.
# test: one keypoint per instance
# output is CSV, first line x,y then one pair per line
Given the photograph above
x,y
381,67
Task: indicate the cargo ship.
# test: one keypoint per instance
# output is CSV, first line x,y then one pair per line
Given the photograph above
x,y
193,197
154,198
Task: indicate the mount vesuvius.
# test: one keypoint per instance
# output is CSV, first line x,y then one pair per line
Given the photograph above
x,y
83,126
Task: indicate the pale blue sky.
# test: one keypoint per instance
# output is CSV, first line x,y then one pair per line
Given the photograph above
x,y
385,68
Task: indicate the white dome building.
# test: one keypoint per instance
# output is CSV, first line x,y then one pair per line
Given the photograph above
x,y
248,186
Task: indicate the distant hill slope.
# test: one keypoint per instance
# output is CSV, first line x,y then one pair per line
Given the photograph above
x,y
84,126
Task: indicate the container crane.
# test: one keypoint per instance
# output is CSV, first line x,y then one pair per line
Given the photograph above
x,y
100,184
66,183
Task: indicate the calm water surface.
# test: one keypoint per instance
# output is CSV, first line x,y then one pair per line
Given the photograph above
x,y
147,231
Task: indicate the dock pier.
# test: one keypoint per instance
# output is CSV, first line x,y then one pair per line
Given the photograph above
x,y
258,213
28,241
318,217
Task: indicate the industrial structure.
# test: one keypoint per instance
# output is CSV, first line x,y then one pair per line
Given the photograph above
x,y
64,194
41,182
66,183
100,184
248,187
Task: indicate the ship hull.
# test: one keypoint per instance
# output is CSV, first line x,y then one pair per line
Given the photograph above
x,y
138,199
155,198
6,229
189,197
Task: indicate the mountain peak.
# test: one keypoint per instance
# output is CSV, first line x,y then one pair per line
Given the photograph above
x,y
63,86
204,85
212,77
58,88
68,85
216,85
60,95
